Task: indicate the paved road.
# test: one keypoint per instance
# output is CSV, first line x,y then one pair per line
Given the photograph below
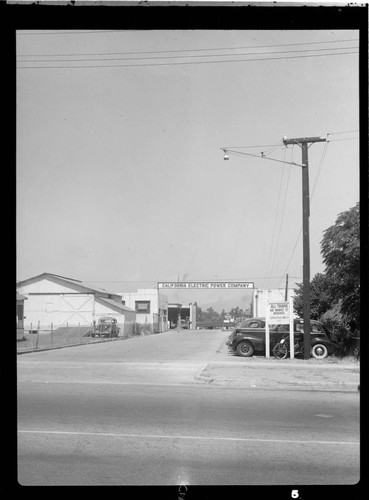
x,y
156,426
170,357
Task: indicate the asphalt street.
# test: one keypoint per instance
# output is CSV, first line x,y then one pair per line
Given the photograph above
x,y
131,413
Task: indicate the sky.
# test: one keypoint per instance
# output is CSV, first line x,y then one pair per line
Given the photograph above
x,y
121,181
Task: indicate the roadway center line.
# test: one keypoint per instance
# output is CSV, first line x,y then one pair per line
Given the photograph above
x,y
205,438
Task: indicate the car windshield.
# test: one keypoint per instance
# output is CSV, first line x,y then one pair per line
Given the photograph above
x,y
252,323
255,323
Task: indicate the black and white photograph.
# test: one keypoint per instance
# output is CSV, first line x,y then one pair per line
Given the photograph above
x,y
188,254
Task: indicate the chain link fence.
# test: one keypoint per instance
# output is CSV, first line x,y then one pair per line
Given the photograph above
x,y
36,339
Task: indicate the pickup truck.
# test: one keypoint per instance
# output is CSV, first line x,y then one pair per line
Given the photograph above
x,y
106,327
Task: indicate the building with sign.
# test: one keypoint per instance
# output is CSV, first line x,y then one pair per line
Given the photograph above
x,y
208,285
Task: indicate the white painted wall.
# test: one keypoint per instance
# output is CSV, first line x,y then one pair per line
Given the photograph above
x,y
60,306
58,309
260,298
157,301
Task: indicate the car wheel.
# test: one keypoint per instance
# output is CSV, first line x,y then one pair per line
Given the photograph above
x,y
280,351
319,351
245,349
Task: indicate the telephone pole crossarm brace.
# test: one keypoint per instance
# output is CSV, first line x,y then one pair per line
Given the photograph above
x,y
304,143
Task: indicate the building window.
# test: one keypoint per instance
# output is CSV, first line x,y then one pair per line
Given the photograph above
x,y
143,306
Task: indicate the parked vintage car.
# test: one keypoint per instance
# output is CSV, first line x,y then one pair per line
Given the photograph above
x,y
249,337
106,327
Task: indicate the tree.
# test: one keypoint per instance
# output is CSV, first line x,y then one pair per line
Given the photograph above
x,y
321,298
334,320
236,312
211,314
199,313
340,249
335,294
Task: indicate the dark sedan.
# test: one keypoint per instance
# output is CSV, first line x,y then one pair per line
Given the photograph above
x,y
249,337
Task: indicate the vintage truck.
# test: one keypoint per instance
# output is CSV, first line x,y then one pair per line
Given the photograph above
x,y
105,327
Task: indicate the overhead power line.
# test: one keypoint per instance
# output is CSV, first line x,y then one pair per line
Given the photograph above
x,y
344,139
190,50
183,56
275,217
343,132
283,211
322,158
185,63
72,32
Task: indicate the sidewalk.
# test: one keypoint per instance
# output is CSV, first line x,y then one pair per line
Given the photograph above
x,y
257,372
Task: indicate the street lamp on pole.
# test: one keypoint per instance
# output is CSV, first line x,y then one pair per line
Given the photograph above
x,y
304,143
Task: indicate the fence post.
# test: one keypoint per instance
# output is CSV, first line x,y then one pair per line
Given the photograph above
x,y
51,335
38,333
32,336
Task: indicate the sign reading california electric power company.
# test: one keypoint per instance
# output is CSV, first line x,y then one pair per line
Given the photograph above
x,y
205,284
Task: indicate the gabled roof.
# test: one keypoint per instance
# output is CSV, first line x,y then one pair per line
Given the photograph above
x,y
114,304
76,283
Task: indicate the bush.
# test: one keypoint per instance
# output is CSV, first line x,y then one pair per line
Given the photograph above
x,y
335,321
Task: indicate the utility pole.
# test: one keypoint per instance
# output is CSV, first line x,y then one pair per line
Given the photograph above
x,y
304,142
286,289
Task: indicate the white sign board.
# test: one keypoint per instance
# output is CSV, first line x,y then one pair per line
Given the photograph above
x,y
214,285
279,313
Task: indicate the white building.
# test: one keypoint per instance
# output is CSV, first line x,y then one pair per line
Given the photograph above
x,y
62,301
151,308
260,298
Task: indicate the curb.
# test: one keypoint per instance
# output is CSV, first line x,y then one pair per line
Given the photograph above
x,y
284,386
202,378
275,365
290,385
199,377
